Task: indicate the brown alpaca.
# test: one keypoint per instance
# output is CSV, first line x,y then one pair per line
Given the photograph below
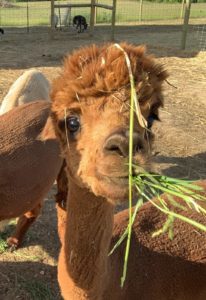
x,y
90,114
28,166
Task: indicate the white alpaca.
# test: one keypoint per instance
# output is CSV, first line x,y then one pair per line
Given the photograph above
x,y
32,85
63,18
56,20
67,17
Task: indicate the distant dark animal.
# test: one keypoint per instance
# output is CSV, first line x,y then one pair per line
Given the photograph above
x,y
80,23
1,31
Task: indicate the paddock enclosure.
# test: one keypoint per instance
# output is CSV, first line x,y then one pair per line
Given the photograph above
x,y
18,16
180,146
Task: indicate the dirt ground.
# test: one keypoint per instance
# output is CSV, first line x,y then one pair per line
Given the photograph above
x,y
30,272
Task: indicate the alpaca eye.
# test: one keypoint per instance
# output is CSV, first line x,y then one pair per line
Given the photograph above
x,y
73,124
150,120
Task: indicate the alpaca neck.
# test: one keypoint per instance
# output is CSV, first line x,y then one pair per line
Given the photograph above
x,y
88,235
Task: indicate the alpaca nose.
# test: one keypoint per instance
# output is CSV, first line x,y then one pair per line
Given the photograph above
x,y
118,143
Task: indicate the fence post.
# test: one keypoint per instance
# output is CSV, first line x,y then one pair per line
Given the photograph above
x,y
52,20
182,9
140,10
113,18
92,16
95,18
27,16
185,24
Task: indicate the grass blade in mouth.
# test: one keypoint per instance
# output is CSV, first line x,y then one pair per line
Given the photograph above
x,y
171,190
134,108
131,126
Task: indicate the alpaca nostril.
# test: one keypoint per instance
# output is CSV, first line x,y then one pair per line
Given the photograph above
x,y
113,148
117,144
138,147
116,150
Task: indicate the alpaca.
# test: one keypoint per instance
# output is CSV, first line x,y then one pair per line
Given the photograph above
x,y
56,21
66,16
28,166
61,200
80,23
32,85
63,18
90,117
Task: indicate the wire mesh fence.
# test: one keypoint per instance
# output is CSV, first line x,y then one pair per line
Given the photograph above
x,y
32,14
24,14
197,37
201,36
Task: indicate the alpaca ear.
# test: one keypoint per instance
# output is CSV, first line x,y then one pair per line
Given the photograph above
x,y
48,132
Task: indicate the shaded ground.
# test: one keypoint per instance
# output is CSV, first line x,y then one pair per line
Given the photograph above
x,y
30,272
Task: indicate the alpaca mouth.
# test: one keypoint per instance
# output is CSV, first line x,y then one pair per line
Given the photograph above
x,y
114,186
120,180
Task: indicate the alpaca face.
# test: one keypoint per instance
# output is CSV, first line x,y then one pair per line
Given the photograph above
x,y
91,118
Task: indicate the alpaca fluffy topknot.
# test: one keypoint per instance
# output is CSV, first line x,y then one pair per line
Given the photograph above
x,y
98,71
